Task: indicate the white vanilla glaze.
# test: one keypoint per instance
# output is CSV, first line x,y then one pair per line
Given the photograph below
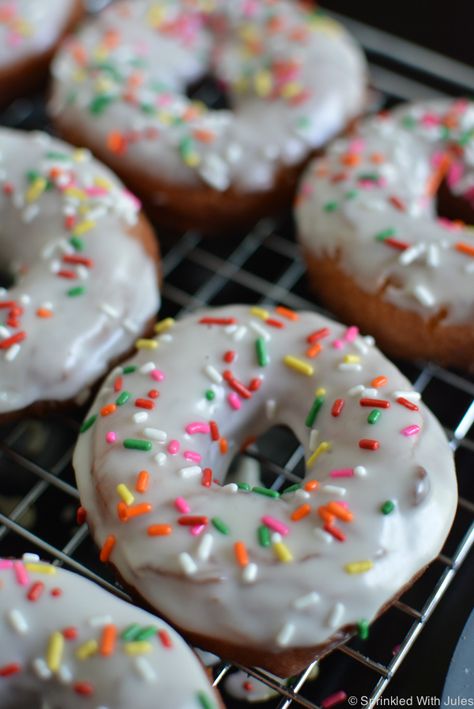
x,y
298,591
382,183
66,642
294,80
29,27
76,302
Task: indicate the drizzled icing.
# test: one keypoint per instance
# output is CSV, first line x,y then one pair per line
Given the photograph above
x,y
244,562
372,201
28,27
64,236
68,643
127,71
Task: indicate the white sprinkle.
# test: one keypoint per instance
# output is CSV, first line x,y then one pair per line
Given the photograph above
x,y
230,488
432,258
361,345
276,538
41,669
270,407
411,394
411,254
215,172
65,675
18,621
109,310
166,337
230,329
336,615
29,213
233,152
370,393
161,458
187,563
302,494
349,367
424,296
369,340
12,352
140,417
260,330
25,299
285,634
190,472
30,557
97,621
147,368
322,535
360,471
240,333
54,266
213,374
82,272
356,390
313,439
156,434
205,547
4,332
333,490
307,600
250,572
145,670
131,326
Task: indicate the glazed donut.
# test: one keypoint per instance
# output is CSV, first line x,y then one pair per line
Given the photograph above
x,y
29,34
257,576
120,89
66,642
73,241
377,252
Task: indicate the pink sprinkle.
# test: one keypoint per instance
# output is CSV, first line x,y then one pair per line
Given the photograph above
x,y
197,427
192,455
21,573
111,437
234,401
338,344
173,447
157,375
357,145
5,564
306,190
334,699
342,473
133,198
197,529
182,505
276,525
96,191
351,333
411,430
430,119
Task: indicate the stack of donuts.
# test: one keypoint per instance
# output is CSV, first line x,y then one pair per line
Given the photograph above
x,y
261,576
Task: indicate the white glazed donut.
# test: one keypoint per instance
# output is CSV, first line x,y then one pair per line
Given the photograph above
x,y
66,642
73,240
377,252
120,88
260,577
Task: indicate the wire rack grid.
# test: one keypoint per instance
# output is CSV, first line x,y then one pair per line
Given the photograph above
x,y
38,496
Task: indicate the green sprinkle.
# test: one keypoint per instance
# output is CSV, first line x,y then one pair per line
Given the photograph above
x,y
130,633
74,292
205,701
265,491
147,108
374,416
186,146
123,398
303,122
387,507
292,488
88,423
445,133
363,629
264,538
220,525
330,206
137,445
210,395
352,194
408,122
146,633
98,104
314,411
466,137
109,68
130,369
385,234
53,155
33,175
368,176
244,486
262,354
76,243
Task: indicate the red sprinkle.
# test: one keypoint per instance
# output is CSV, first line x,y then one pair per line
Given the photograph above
x,y
255,384
236,385
217,321
153,394
81,515
318,335
35,591
56,592
369,444
165,638
206,479
335,532
79,260
375,403
274,323
215,435
193,520
118,384
64,273
70,633
397,203
337,407
86,689
229,356
407,404
13,340
145,404
396,244
12,669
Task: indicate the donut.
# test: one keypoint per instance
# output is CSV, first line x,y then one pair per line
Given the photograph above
x,y
66,642
260,576
29,34
120,88
72,244
380,220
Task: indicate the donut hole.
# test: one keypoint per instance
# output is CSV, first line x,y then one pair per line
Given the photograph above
x,y
211,92
452,206
7,278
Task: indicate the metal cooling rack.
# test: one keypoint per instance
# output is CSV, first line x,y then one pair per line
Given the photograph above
x,y
38,496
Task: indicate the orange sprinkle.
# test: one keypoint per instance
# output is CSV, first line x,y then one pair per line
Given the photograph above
x,y
340,511
44,313
108,409
287,313
159,530
204,136
377,158
55,172
107,548
301,512
379,381
108,640
122,511
142,508
223,446
350,159
438,175
311,485
190,114
314,350
143,478
111,39
464,248
116,142
247,442
325,515
80,55
241,554
135,79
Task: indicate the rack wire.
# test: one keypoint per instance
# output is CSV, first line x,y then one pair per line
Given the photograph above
x,y
38,496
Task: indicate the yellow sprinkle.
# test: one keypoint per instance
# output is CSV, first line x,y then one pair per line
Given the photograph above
x,y
165,119
156,16
36,189
282,552
263,83
101,53
102,182
351,359
79,76
84,226
326,25
143,344
241,84
358,567
291,89
80,155
260,313
137,648
75,193
87,649
40,568
164,325
322,448
320,391
54,653
191,159
125,494
298,365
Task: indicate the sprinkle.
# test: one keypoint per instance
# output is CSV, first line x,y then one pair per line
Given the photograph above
x,y
335,532
137,648
357,389
342,473
107,548
340,511
193,520
108,410
379,381
283,553
257,327
424,296
108,640
241,554
287,313
187,563
87,424
311,485
47,569
250,573
217,321
143,479
145,670
12,669
260,312
122,398
220,525
41,669
298,365
234,401
363,629
463,248
360,471
276,525
173,447
334,699
130,632
349,367
164,325
20,573
307,600
314,410
408,394
35,591
374,416
301,512
268,492
204,549
137,444
387,507
55,651
159,530
270,408
337,407
336,615
98,621
369,444
190,472
146,344
160,458
313,439
358,567
165,638
323,447
125,494
182,505
206,480
264,536
262,354
75,292
215,435
18,621
411,430
205,701
285,634
406,403
145,404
